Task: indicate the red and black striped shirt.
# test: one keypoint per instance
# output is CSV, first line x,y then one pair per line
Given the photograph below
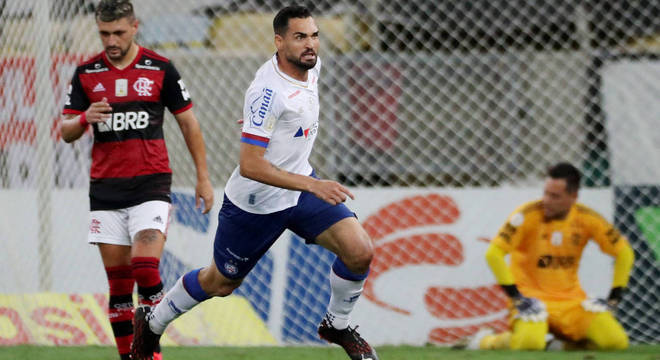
x,y
129,157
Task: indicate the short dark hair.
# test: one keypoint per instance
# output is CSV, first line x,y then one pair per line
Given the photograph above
x,y
111,10
281,20
568,172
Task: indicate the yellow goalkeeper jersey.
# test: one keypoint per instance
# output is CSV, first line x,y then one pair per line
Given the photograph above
x,y
545,255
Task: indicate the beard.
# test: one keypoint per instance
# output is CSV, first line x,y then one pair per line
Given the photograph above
x,y
303,65
122,52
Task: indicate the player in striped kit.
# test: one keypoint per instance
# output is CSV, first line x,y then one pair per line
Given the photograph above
x,y
274,188
122,93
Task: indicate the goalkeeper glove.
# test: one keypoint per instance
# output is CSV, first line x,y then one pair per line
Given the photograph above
x,y
616,294
528,308
595,305
602,305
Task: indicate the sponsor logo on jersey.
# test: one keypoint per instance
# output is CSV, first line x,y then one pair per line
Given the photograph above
x,y
98,88
307,133
97,68
129,120
260,107
147,67
555,261
143,86
121,87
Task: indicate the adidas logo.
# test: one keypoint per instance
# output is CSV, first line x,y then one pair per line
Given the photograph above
x,y
98,87
158,219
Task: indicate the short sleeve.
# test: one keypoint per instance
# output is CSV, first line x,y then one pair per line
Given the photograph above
x,y
260,113
76,99
174,94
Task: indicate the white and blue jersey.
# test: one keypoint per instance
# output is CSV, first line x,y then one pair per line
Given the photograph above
x,y
281,114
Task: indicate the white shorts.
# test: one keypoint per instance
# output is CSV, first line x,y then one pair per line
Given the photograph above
x,y
120,226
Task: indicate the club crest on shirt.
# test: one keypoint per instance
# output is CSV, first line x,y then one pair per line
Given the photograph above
x,y
143,86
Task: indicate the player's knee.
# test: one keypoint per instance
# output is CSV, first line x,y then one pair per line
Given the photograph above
x,y
149,236
359,260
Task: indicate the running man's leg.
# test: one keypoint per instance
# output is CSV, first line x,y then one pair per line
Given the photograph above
x,y
354,250
241,240
336,228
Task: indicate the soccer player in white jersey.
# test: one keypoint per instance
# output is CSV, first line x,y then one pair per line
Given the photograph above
x,y
274,188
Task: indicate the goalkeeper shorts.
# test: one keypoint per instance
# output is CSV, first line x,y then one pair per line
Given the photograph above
x,y
567,319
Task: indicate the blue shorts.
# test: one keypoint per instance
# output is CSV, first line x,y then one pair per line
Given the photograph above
x,y
242,238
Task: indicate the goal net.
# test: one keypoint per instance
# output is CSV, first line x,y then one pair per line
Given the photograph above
x,y
442,116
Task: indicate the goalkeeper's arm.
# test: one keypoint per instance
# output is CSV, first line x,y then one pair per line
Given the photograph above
x,y
529,309
622,267
495,258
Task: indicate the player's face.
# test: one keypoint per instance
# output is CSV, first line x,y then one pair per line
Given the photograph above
x,y
556,200
117,36
300,44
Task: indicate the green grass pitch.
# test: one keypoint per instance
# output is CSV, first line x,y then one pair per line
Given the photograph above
x,y
639,352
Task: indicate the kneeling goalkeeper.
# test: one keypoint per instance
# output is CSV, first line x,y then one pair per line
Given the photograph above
x,y
545,239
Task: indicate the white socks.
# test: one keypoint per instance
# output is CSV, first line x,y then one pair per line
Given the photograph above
x,y
176,302
344,295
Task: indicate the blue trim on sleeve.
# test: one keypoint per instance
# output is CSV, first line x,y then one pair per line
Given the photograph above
x,y
254,142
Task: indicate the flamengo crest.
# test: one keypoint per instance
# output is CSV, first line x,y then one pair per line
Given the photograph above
x,y
143,86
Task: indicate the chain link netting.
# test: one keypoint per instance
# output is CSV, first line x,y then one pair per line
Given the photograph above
x,y
420,94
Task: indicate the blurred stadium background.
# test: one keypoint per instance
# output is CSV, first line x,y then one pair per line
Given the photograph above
x,y
442,115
